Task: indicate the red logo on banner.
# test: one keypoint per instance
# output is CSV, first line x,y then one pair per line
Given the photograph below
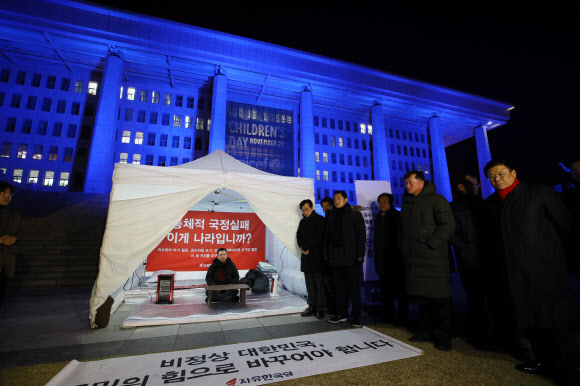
x,y
193,243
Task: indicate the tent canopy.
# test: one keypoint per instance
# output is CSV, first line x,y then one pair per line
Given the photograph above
x,y
147,201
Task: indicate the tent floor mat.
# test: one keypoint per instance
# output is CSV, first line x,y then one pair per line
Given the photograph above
x,y
193,309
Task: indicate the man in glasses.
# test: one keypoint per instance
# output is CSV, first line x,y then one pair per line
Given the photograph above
x,y
527,230
10,227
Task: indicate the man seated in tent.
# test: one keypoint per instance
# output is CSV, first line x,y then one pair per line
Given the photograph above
x,y
223,271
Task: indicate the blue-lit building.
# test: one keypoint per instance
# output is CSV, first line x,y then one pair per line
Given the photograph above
x,y
83,87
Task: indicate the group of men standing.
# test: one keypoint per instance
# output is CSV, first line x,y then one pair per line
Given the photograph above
x,y
511,251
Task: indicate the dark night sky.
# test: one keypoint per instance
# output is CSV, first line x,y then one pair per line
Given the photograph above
x,y
525,57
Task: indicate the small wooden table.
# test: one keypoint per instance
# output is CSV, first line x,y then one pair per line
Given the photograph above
x,y
242,287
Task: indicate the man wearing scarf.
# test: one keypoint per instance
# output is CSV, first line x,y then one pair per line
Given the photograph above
x,y
345,249
528,228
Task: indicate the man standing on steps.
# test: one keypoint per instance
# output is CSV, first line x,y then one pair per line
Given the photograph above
x,y
10,227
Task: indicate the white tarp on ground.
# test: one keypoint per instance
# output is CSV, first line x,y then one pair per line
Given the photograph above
x,y
248,363
147,201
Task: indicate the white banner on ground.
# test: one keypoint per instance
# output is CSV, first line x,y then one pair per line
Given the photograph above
x,y
251,363
366,196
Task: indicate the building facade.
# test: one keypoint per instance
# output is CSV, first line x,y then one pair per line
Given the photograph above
x,y
83,87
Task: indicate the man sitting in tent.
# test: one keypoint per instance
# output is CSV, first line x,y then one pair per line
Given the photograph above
x,y
223,271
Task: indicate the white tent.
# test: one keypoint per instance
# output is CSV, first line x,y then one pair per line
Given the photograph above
x,y
147,201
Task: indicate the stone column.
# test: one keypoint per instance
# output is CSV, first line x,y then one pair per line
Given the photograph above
x,y
217,131
483,157
307,157
440,170
101,158
381,167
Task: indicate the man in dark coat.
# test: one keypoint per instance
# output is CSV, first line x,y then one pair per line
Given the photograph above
x,y
467,245
388,261
344,246
310,238
327,204
426,226
223,271
530,224
10,229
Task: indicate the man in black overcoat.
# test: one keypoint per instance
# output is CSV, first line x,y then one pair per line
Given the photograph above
x,y
531,224
388,261
223,271
310,238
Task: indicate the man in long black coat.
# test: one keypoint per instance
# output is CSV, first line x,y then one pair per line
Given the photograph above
x,y
530,224
388,261
310,238
345,245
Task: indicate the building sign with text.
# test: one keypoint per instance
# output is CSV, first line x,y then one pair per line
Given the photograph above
x,y
193,242
261,137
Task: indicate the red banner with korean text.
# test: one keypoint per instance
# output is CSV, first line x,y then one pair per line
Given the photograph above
x,y
193,242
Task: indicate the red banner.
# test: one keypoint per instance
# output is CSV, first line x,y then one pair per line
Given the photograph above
x,y
193,243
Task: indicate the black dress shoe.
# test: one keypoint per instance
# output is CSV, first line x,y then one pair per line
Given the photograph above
x,y
421,337
320,315
308,312
531,367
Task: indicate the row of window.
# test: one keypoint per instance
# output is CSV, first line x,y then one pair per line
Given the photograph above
x,y
155,97
34,177
341,159
31,103
398,165
341,141
319,196
403,134
41,127
178,119
162,160
49,81
343,176
412,151
152,137
342,125
36,152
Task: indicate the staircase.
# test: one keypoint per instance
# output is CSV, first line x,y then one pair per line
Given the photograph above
x,y
61,240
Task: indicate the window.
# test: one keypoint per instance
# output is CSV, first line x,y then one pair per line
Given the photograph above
x,y
350,178
61,106
184,160
93,88
64,176
412,151
348,143
341,159
357,160
137,159
404,150
121,93
416,137
347,123
17,175
65,84
365,162
27,126
323,122
79,86
42,128
340,142
355,127
126,136
143,95
48,178
16,99
153,117
188,122
325,157
318,175
149,159
364,144
339,125
190,102
316,138
333,158
399,149
198,144
5,150
46,104
2,97
177,120
406,166
53,153
175,142
35,82
179,101
141,116
123,157
151,139
332,140
10,125
163,140
75,108
167,100
174,161
68,153
165,119
72,131
370,129
424,153
404,135
334,176
400,166
422,138
139,138
57,129
332,123
5,75
199,124
350,160
21,78
325,174
342,177
397,134
131,93
31,104
128,115
363,128
51,82
392,148
315,121
187,143
161,160
317,156
22,150
394,165
155,97
33,177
